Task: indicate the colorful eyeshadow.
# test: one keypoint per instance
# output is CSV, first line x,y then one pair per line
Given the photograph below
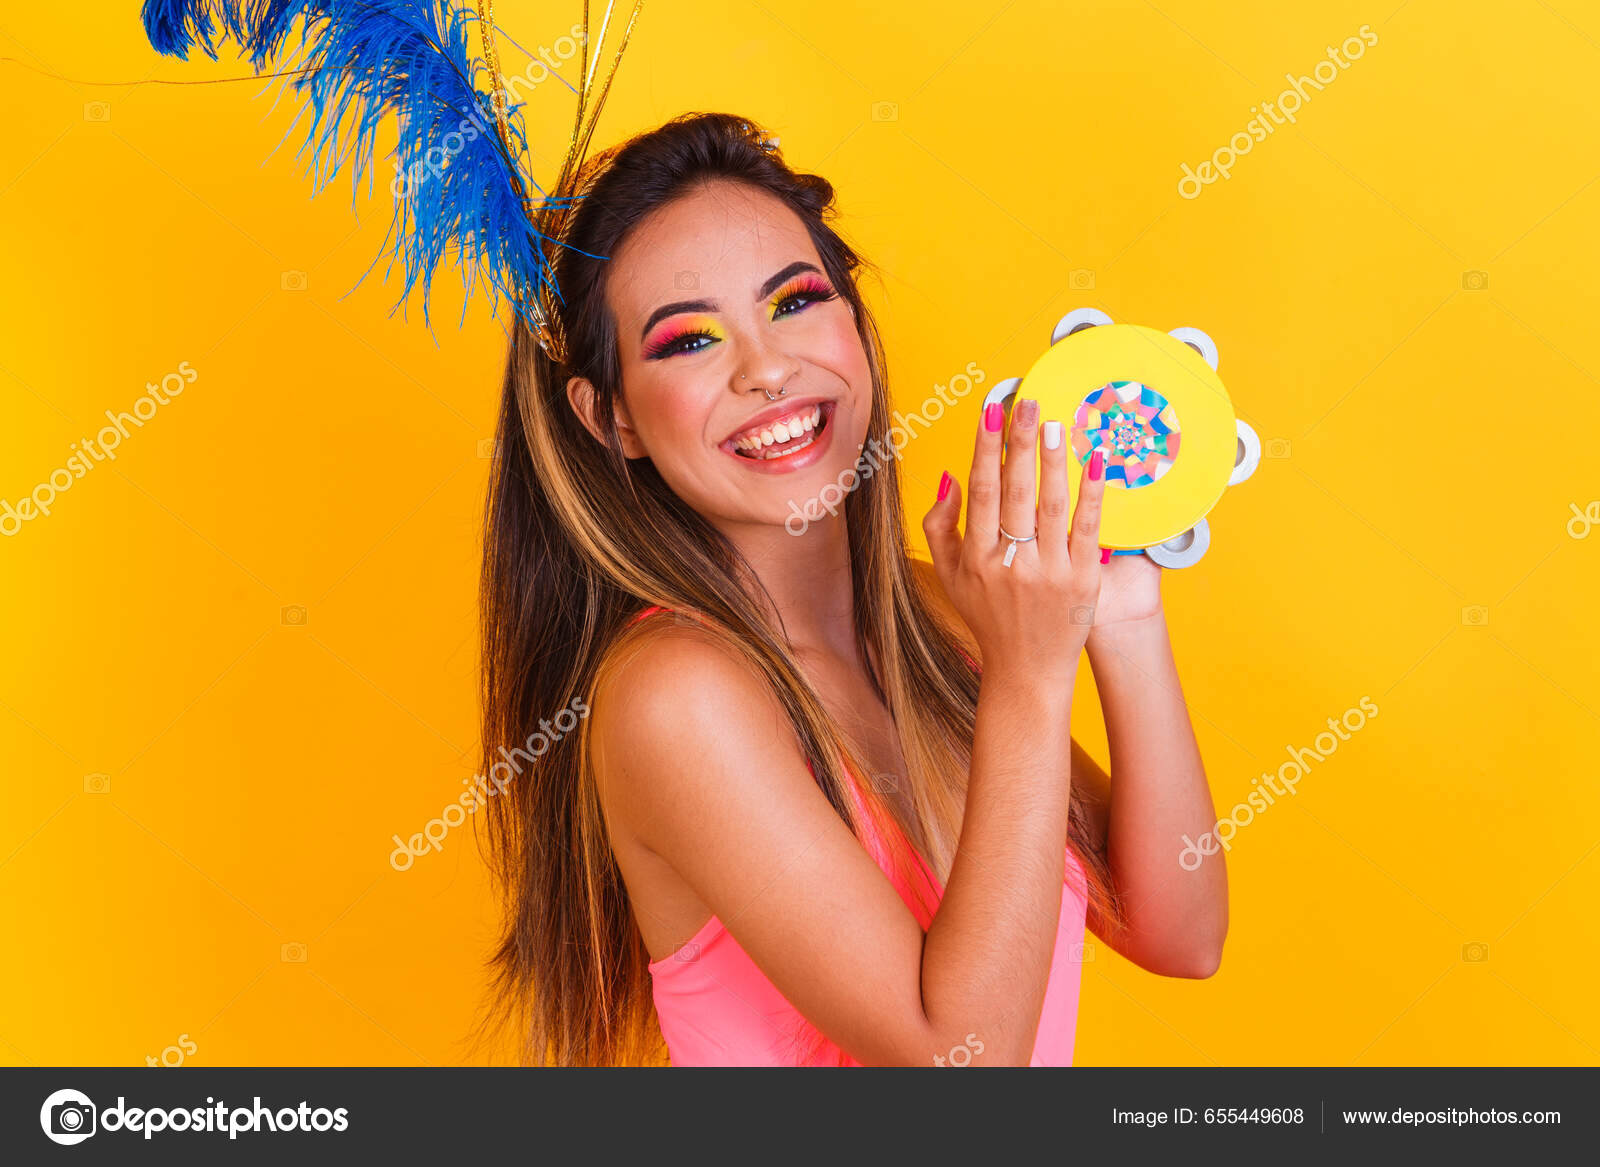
x,y
803,285
678,328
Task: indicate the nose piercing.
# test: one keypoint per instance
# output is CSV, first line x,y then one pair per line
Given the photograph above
x,y
768,392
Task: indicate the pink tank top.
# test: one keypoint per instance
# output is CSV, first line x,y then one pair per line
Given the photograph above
x,y
717,1008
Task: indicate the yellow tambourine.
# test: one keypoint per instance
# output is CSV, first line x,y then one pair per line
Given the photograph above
x,y
1153,403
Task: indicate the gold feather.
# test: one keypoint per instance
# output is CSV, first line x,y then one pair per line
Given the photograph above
x,y
552,215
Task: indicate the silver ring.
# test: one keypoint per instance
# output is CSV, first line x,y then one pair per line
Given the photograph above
x,y
767,391
1011,551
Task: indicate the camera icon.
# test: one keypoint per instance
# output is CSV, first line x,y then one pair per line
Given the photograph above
x,y
1475,953
1082,614
885,111
1083,953
292,953
1081,279
72,1118
68,1117
293,615
1474,281
885,783
96,111
688,954
97,783
488,447
292,281
1276,448
686,279
1475,616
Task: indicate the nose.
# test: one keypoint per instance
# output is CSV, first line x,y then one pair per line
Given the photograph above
x,y
767,368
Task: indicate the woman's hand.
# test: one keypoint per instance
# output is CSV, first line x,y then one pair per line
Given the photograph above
x,y
1034,616
1130,591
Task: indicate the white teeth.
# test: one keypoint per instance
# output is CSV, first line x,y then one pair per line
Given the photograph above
x,y
765,456
786,430
789,430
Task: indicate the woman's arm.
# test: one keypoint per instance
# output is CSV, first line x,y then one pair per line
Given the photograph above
x,y
1177,918
697,761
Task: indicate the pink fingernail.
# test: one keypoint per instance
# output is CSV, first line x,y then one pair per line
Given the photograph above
x,y
992,416
944,484
1096,466
1105,553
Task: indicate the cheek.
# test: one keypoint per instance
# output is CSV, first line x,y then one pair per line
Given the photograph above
x,y
671,412
839,347
675,416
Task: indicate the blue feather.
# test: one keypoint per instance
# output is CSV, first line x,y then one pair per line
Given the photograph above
x,y
266,25
458,189
261,26
173,26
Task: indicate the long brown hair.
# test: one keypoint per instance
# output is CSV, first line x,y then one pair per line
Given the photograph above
x,y
579,539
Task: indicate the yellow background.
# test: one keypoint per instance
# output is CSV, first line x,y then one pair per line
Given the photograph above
x,y
1432,439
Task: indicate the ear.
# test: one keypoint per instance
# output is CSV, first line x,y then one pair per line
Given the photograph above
x,y
581,396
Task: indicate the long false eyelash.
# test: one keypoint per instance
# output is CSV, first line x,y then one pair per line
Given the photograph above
x,y
667,347
813,289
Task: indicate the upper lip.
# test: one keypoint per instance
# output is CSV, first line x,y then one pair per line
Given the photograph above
x,y
781,408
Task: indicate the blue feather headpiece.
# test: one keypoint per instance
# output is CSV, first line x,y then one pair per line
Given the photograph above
x,y
459,186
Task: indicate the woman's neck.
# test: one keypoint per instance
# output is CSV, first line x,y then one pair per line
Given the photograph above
x,y
807,582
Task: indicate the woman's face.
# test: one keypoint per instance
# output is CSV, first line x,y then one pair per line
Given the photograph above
x,y
719,299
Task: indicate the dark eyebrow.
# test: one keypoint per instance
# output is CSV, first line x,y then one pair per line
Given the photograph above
x,y
772,284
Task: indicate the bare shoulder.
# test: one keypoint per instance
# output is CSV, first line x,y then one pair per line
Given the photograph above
x,y
672,693
934,590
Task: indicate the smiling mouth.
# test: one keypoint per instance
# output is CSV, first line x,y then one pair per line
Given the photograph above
x,y
787,436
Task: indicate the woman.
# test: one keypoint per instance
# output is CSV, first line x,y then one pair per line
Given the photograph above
x,y
701,860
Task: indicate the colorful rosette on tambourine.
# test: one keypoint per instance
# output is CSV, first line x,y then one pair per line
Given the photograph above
x,y
1135,428
1153,404
461,188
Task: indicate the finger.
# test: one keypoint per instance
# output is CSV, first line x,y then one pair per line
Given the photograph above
x,y
941,527
1055,506
1084,545
1018,501
983,484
